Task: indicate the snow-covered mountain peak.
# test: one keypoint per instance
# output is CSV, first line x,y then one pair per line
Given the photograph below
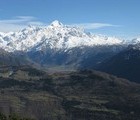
x,y
56,23
135,43
30,28
135,40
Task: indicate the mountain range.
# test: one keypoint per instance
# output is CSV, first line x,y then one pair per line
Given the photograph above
x,y
54,36
64,47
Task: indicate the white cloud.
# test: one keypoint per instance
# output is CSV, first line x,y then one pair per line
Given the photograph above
x,y
26,17
18,23
10,27
91,26
36,23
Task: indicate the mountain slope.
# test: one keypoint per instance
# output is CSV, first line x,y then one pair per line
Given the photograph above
x,y
13,59
77,95
125,64
78,57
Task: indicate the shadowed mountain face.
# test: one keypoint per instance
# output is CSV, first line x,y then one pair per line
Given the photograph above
x,y
78,57
81,95
125,64
13,59
75,58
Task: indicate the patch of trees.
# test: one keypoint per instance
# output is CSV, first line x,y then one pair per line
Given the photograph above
x,y
13,117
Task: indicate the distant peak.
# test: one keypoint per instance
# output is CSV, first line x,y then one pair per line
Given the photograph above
x,y
56,23
31,26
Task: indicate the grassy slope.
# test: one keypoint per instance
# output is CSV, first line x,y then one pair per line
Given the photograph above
x,y
83,95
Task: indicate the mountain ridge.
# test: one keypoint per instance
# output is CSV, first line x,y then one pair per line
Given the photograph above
x,y
54,36
124,64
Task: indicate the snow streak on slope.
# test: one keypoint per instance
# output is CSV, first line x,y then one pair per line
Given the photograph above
x,y
55,36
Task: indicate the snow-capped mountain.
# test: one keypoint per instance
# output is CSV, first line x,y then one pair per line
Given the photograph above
x,y
135,40
54,36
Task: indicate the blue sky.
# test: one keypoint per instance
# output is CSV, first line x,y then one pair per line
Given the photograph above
x,y
110,17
